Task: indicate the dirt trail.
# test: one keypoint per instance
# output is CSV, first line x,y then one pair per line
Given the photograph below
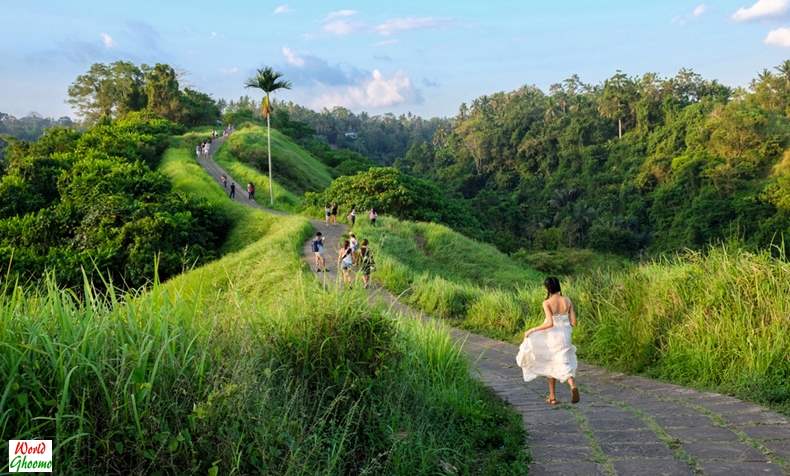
x,y
624,424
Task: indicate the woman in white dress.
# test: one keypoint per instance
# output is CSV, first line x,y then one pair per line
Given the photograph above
x,y
547,349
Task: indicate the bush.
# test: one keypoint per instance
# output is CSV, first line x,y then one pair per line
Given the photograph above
x,y
392,192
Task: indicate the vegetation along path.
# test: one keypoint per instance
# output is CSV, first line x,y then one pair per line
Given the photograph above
x,y
623,425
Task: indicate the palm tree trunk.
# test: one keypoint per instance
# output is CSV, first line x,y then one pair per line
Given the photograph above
x,y
269,145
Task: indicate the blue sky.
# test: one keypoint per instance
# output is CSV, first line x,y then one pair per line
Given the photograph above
x,y
418,56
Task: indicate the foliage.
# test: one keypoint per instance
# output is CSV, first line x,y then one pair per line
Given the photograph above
x,y
715,319
244,155
111,91
695,163
30,127
394,193
245,366
90,202
383,138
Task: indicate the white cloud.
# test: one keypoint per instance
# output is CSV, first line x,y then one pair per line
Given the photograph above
x,y
340,14
699,10
339,22
107,40
376,91
281,9
213,35
762,9
778,37
229,71
292,58
394,25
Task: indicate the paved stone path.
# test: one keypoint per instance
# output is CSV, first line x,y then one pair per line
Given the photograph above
x,y
625,425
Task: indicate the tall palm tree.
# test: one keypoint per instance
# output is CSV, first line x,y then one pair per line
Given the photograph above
x,y
268,81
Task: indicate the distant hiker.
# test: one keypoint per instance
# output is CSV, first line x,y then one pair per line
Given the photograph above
x,y
345,261
224,181
318,252
232,190
250,191
367,263
328,213
352,216
197,151
547,349
206,148
334,213
373,216
352,239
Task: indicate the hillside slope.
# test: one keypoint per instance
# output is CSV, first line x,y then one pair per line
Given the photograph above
x,y
295,170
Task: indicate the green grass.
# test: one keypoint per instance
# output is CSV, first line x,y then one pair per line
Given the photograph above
x,y
716,320
244,156
243,366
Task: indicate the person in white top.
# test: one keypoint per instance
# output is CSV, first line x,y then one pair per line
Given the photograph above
x,y
547,349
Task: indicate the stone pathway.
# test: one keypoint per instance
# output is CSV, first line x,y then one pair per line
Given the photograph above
x,y
625,425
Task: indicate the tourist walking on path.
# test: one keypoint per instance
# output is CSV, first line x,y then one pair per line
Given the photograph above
x,y
318,253
367,263
373,216
197,151
250,191
224,180
345,261
232,190
352,239
547,349
334,213
328,213
352,216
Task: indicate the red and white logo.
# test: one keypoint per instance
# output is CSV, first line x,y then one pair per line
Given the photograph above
x,y
30,456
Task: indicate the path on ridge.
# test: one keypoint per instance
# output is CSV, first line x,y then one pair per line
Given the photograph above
x,y
623,425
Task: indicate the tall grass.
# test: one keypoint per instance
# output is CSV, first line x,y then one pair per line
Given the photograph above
x,y
718,319
243,366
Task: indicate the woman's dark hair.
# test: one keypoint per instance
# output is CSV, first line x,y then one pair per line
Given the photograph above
x,y
365,242
552,285
346,244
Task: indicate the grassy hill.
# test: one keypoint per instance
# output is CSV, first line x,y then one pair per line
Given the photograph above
x,y
295,170
245,365
716,320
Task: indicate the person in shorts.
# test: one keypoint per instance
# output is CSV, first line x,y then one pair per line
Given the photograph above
x,y
327,213
334,213
318,252
367,265
345,262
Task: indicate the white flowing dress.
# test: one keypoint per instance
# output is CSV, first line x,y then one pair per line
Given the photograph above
x,y
549,352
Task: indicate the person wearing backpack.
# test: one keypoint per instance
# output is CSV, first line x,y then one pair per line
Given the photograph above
x,y
232,193
250,191
318,253
368,265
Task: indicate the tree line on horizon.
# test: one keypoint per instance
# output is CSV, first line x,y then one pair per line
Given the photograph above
x,y
631,165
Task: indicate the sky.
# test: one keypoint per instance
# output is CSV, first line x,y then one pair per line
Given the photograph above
x,y
406,56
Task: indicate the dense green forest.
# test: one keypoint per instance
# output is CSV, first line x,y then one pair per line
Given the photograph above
x,y
381,138
632,164
91,201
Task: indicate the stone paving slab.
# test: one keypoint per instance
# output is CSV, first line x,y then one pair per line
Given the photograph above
x,y
624,424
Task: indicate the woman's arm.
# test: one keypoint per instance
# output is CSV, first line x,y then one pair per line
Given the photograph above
x,y
548,322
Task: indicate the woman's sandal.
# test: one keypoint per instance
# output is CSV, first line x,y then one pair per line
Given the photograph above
x,y
575,395
552,401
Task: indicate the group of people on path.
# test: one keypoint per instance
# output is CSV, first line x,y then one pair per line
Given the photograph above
x,y
352,254
230,187
331,212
